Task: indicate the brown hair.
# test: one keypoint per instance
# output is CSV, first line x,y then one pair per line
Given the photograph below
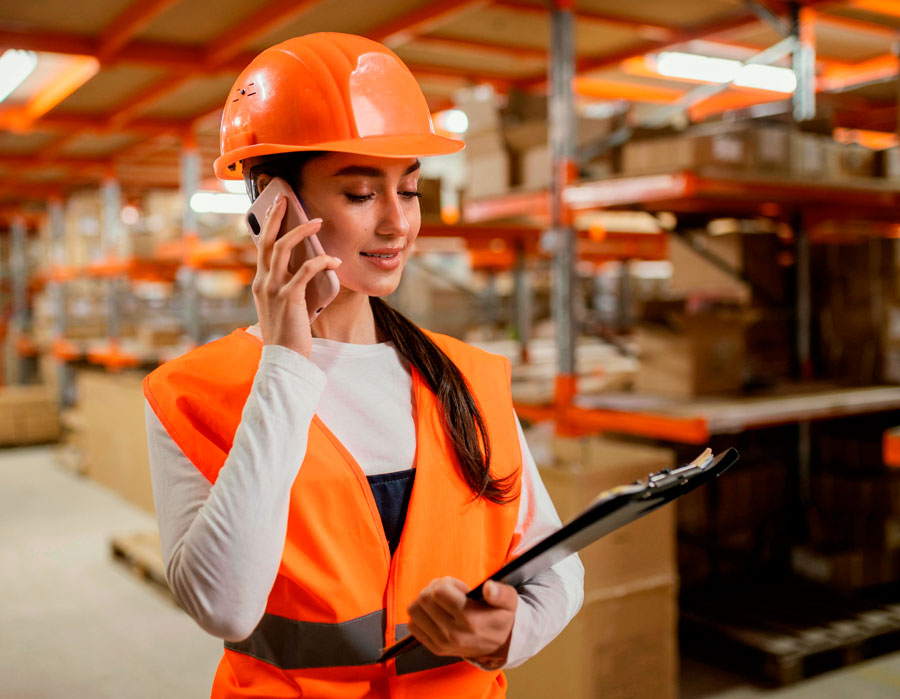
x,y
461,417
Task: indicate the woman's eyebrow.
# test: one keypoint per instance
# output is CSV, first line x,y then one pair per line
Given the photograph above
x,y
369,171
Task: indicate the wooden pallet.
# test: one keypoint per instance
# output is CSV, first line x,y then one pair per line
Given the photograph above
x,y
141,553
786,632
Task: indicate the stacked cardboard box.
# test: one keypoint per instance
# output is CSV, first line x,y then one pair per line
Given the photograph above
x,y
623,642
773,149
28,415
693,355
115,443
487,159
851,284
724,148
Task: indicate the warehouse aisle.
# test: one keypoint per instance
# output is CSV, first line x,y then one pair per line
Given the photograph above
x,y
72,622
75,624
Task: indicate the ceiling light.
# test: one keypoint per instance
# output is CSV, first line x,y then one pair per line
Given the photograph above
x,y
219,203
452,120
15,66
690,66
770,78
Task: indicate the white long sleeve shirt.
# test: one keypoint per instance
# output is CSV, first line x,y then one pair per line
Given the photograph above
x,y
222,543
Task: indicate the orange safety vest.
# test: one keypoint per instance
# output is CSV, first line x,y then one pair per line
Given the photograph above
x,y
339,596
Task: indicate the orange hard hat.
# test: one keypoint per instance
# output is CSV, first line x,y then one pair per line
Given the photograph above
x,y
326,92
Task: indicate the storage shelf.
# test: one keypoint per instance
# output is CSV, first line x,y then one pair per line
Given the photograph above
x,y
707,190
734,415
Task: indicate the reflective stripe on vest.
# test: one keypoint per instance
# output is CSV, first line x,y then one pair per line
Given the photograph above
x,y
300,645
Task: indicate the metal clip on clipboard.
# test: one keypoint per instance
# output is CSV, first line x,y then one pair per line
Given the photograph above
x,y
612,509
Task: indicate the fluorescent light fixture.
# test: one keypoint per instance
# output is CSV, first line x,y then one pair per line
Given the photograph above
x,y
219,203
15,66
690,66
453,120
770,78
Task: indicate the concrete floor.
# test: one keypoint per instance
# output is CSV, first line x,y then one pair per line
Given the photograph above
x,y
76,625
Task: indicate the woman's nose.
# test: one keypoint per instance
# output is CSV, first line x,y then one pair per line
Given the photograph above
x,y
393,217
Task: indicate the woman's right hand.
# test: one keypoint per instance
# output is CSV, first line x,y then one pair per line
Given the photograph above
x,y
279,294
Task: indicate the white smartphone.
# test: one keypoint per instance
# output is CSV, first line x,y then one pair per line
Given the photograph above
x,y
324,286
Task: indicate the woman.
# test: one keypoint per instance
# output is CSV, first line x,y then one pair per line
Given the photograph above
x,y
309,548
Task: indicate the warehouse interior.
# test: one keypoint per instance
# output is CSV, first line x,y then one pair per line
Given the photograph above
x,y
678,221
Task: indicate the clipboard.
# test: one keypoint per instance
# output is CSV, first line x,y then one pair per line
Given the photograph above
x,y
611,509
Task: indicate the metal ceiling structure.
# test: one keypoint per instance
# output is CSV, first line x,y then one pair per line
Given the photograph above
x,y
163,66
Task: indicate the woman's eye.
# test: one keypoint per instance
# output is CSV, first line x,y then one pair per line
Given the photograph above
x,y
411,195
358,198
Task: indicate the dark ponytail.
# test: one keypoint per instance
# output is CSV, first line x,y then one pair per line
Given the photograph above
x,y
461,416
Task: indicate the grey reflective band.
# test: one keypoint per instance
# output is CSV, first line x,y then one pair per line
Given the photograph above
x,y
296,645
299,645
419,658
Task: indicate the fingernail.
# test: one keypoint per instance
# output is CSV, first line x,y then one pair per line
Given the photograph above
x,y
340,261
278,198
315,220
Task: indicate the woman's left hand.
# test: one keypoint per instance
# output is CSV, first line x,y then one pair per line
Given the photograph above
x,y
446,622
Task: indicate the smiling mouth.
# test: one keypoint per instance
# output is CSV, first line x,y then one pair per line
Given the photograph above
x,y
379,255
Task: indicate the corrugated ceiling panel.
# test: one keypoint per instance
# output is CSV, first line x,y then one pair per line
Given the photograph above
x,y
503,26
682,13
351,16
852,13
109,88
831,41
62,15
473,60
198,21
23,143
499,25
850,44
193,98
98,145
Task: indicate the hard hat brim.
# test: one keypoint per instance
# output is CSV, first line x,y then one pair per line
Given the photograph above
x,y
228,166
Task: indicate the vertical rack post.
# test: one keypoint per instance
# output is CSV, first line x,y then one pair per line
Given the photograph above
x,y
523,312
187,275
19,274
111,245
58,295
804,62
562,145
804,99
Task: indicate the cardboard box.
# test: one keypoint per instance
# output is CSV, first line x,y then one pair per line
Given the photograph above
x,y
28,415
639,553
856,161
115,439
771,149
618,647
730,150
705,357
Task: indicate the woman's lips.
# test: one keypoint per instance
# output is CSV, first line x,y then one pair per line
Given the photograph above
x,y
383,259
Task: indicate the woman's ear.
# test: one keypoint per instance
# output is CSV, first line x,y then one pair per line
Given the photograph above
x,y
262,180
